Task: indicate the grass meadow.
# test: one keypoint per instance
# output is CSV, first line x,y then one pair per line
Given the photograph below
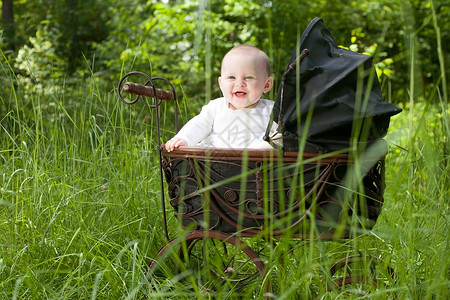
x,y
80,212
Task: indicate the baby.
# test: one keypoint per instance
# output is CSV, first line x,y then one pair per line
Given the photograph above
x,y
238,119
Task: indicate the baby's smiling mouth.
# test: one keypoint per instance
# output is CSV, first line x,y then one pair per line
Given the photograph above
x,y
240,93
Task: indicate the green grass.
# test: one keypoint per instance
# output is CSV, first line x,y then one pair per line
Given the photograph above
x,y
80,213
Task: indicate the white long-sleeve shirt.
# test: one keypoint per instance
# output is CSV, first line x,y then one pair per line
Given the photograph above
x,y
219,126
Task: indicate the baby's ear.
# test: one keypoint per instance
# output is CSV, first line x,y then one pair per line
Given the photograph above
x,y
269,84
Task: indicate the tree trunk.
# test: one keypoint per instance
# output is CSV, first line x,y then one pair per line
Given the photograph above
x,y
8,21
73,33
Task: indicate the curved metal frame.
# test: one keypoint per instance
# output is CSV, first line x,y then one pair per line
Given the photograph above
x,y
157,102
195,235
197,190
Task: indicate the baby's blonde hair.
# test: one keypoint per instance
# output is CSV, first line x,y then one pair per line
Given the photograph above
x,y
252,50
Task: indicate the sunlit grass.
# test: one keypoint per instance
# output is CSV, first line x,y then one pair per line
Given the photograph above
x,y
81,217
80,213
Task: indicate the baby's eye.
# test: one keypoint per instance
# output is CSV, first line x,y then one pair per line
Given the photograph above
x,y
231,77
249,77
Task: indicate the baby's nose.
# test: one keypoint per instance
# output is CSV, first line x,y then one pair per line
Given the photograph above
x,y
241,82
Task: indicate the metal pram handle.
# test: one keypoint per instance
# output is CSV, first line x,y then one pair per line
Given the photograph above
x,y
143,90
149,90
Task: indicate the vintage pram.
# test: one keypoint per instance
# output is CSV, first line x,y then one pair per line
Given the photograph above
x,y
323,179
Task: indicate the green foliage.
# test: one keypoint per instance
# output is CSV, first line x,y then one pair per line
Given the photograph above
x,y
80,215
186,40
40,69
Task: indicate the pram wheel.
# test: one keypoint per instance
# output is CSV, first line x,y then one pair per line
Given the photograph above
x,y
213,262
360,274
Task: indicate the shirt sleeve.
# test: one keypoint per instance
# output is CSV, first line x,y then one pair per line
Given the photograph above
x,y
199,127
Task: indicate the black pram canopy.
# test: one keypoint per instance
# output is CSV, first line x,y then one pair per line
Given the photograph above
x,y
337,88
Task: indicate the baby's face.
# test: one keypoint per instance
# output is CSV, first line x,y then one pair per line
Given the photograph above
x,y
243,80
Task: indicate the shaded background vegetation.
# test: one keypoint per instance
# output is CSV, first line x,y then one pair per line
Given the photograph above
x,y
48,43
80,216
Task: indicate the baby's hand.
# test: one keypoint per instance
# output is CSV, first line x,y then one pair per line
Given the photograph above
x,y
175,143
